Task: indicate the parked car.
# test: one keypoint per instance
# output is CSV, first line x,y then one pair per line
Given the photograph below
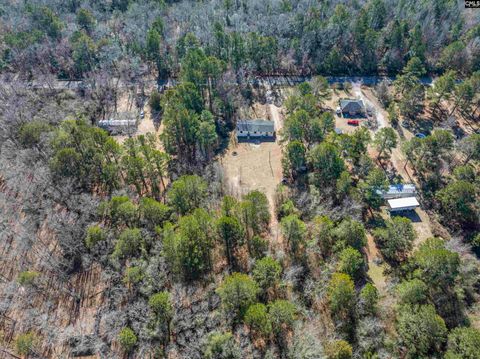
x,y
420,135
142,114
353,122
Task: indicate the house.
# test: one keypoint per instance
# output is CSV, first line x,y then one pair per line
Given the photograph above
x,y
402,204
122,123
352,108
250,129
398,191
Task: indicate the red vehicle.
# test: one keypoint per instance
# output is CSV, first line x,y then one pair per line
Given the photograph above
x,y
353,122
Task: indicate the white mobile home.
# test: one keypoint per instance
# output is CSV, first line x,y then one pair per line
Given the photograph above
x,y
402,204
398,191
120,123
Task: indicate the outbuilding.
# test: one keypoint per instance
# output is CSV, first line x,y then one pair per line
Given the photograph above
x,y
251,129
402,204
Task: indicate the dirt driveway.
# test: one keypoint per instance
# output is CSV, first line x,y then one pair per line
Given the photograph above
x,y
145,125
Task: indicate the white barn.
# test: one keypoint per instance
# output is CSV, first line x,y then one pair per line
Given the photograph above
x,y
402,204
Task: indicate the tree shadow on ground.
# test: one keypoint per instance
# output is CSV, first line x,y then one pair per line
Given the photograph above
x,y
411,215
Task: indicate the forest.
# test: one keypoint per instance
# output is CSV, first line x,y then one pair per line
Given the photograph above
x,y
170,237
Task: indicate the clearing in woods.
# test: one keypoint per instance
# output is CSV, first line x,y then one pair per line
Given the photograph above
x,y
256,166
145,125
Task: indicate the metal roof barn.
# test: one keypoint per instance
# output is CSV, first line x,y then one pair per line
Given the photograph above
x,y
403,204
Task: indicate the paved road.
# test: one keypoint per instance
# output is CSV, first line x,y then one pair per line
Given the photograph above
x,y
267,80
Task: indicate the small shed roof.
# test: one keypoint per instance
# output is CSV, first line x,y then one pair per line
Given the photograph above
x,y
352,105
255,125
407,202
398,189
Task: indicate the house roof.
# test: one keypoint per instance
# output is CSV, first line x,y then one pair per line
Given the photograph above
x,y
255,125
406,202
398,189
112,122
351,105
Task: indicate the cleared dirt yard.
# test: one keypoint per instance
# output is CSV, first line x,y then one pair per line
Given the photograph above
x,y
256,165
251,166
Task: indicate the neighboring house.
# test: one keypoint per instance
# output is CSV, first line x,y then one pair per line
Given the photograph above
x,y
250,129
398,191
402,204
352,108
122,123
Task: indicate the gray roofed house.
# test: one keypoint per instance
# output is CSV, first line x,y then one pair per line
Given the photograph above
x,y
255,129
352,107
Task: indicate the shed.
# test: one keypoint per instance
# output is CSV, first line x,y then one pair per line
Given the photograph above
x,y
255,129
402,204
352,107
398,191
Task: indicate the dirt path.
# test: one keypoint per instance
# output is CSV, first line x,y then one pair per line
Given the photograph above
x,y
375,271
371,102
420,219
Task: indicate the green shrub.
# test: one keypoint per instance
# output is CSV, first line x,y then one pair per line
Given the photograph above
x,y
257,319
27,278
267,272
133,275
463,343
127,213
339,349
221,345
258,247
94,235
351,262
369,298
237,292
109,209
153,212
30,133
127,339
412,292
282,314
25,343
187,193
161,305
155,102
129,243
